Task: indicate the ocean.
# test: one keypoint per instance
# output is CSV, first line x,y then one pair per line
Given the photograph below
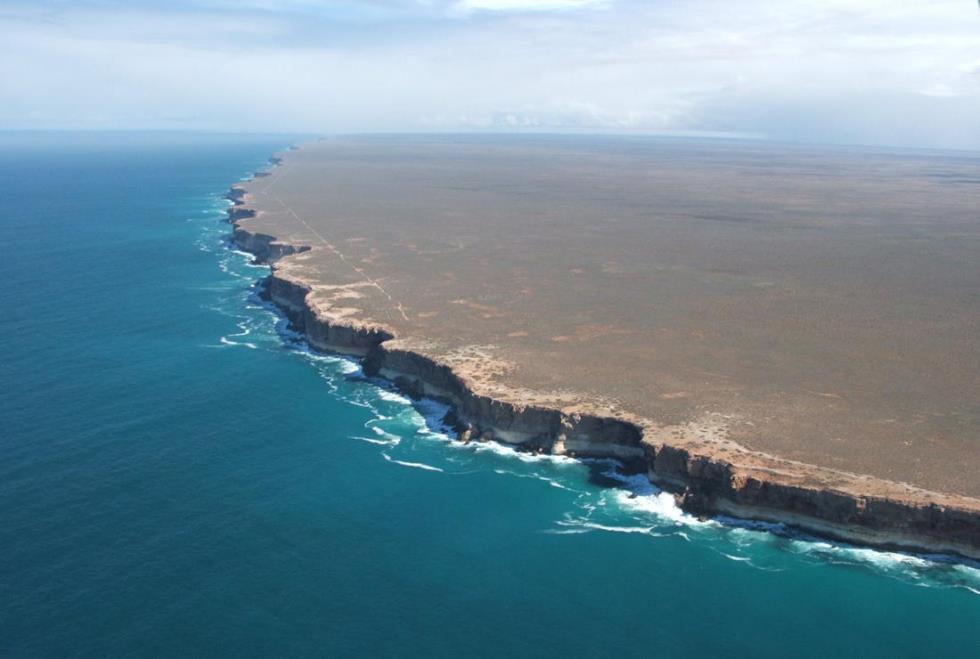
x,y
180,475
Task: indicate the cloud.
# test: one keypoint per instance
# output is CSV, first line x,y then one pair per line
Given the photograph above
x,y
528,5
855,71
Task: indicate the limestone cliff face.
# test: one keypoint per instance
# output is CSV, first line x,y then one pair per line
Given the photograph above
x,y
704,482
264,247
530,426
709,485
323,334
240,213
236,195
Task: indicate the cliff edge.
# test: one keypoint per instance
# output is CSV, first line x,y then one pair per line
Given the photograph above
x,y
693,458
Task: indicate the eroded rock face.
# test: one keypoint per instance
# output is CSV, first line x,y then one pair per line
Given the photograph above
x,y
336,336
262,246
533,427
235,194
708,486
240,213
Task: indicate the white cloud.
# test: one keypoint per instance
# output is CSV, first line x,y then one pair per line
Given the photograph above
x,y
862,70
527,5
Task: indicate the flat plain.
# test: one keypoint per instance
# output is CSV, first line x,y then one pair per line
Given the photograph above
x,y
821,305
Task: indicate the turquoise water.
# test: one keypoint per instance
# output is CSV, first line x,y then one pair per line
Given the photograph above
x,y
179,476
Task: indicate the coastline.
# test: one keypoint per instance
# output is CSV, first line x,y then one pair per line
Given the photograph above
x,y
707,478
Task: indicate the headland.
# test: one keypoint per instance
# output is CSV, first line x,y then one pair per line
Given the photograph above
x,y
775,333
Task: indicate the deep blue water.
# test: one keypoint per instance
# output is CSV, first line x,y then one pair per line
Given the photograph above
x,y
178,476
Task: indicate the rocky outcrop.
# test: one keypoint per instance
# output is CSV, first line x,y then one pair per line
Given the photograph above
x,y
264,247
734,483
331,335
240,213
236,195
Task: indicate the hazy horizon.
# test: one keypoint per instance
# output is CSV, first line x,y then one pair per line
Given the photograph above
x,y
834,72
299,138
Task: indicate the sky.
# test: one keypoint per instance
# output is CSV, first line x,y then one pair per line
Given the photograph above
x,y
897,72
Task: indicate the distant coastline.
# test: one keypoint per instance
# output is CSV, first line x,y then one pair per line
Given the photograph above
x,y
706,480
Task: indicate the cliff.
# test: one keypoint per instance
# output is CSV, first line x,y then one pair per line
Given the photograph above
x,y
707,477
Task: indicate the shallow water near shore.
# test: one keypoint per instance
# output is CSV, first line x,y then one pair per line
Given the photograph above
x,y
181,475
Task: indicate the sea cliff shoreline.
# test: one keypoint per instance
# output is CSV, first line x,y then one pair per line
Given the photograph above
x,y
705,479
